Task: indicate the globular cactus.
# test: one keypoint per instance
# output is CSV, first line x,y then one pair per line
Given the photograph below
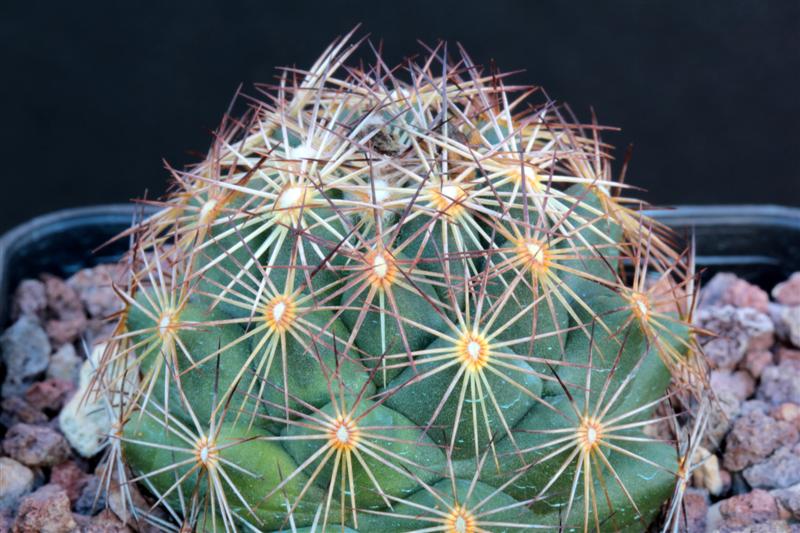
x,y
409,299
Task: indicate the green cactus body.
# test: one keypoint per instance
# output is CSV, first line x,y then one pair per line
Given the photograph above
x,y
400,306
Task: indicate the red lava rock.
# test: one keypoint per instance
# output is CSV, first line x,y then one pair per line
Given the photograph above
x,y
790,499
788,412
68,316
787,322
740,383
713,290
35,445
49,394
728,289
737,332
94,287
62,300
755,405
788,292
71,478
29,299
756,361
749,508
16,480
785,354
780,384
778,471
14,410
771,526
45,511
6,521
695,507
723,412
65,331
106,522
743,294
727,480
82,521
754,437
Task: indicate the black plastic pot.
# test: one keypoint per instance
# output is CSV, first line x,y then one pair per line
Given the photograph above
x,y
761,243
61,243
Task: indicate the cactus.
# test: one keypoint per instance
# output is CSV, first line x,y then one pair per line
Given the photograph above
x,y
387,302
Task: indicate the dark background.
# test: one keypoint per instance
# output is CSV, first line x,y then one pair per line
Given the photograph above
x,y
95,94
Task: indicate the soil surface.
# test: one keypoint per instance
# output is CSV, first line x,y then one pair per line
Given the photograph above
x,y
51,444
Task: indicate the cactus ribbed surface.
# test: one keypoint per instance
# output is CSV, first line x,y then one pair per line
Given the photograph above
x,y
409,299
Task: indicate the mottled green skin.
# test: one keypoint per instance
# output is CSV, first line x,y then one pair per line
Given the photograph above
x,y
412,404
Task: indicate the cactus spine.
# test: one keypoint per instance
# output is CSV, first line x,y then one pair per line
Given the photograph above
x,y
401,303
